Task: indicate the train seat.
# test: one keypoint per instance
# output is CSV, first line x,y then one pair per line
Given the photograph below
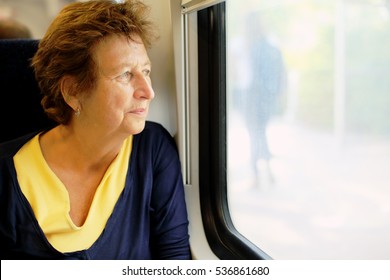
x,y
20,108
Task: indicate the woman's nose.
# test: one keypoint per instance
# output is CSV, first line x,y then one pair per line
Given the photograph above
x,y
143,88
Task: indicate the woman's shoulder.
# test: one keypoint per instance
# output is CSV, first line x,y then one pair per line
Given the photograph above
x,y
10,148
155,131
155,137
154,127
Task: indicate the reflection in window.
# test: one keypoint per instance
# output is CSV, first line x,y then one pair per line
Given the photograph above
x,y
308,127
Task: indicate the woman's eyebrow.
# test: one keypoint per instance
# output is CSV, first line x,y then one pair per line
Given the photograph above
x,y
131,65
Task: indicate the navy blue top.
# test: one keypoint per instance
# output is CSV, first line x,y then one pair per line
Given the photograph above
x,y
149,220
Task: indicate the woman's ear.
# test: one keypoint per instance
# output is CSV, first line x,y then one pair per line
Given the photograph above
x,y
68,86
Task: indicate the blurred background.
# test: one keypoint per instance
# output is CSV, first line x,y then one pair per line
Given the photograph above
x,y
309,126
35,14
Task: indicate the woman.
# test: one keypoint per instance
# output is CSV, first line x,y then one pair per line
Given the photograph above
x,y
104,183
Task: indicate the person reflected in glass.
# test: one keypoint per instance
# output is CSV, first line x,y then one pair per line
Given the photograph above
x,y
267,74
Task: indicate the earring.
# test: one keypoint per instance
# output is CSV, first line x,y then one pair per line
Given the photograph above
x,y
77,113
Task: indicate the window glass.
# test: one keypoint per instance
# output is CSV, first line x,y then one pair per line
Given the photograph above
x,y
309,126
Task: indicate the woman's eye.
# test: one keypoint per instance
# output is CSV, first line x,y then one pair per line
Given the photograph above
x,y
126,76
147,72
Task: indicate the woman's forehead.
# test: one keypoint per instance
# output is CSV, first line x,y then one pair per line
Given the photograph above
x,y
119,51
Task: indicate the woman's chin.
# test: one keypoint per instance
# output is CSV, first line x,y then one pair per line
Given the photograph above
x,y
137,127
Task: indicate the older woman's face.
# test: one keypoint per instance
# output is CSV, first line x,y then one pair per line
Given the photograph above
x,y
120,101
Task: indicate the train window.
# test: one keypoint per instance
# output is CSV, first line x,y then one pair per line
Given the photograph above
x,y
224,240
308,130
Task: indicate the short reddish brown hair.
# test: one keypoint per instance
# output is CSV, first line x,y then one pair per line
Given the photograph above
x,y
66,48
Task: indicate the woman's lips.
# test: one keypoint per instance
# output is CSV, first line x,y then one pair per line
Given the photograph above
x,y
141,112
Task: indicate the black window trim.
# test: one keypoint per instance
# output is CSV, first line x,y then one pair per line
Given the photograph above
x,y
224,240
